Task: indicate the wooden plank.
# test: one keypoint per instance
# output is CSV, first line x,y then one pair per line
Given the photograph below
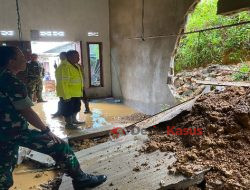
x,y
222,83
118,160
151,121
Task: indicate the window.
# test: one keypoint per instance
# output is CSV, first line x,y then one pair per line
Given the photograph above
x,y
95,64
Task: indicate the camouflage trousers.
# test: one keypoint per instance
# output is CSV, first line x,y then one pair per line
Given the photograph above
x,y
35,140
35,85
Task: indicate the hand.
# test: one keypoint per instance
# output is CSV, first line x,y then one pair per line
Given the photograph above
x,y
53,137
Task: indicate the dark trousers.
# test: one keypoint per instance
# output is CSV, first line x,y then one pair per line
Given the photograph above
x,y
85,101
70,107
59,107
34,140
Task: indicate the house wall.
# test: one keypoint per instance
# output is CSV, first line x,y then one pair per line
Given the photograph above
x,y
76,18
140,68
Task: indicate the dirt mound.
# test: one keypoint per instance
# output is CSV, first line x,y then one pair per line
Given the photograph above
x,y
224,145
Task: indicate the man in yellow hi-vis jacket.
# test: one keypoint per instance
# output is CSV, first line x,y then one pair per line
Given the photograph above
x,y
69,88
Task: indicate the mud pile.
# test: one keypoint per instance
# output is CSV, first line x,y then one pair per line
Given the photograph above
x,y
224,146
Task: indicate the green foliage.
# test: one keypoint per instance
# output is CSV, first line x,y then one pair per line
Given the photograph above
x,y
217,46
243,73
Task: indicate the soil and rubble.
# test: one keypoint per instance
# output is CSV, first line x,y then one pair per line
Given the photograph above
x,y
78,145
224,146
185,85
133,118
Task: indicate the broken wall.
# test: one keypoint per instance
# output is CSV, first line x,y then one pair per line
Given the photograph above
x,y
140,68
76,18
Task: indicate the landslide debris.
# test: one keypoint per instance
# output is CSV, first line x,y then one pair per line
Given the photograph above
x,y
133,118
78,145
224,146
185,85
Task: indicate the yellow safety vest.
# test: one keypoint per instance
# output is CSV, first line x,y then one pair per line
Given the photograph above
x,y
69,80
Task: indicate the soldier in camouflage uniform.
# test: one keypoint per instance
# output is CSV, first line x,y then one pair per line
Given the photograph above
x,y
15,113
35,74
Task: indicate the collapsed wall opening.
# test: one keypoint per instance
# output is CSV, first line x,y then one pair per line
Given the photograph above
x,y
213,41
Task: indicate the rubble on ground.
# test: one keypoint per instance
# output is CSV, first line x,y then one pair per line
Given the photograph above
x,y
185,86
78,145
133,118
53,184
224,147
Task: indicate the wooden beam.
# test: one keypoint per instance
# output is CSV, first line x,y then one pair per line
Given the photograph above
x,y
222,83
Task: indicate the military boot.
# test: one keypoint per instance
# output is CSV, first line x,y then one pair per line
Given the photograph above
x,y
69,123
74,120
88,181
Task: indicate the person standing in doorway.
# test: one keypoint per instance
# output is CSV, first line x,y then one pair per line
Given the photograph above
x,y
35,74
70,88
15,113
63,58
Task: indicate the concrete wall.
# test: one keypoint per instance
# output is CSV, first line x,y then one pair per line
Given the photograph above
x,y
75,18
140,68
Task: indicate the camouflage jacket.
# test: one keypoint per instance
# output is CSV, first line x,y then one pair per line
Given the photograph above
x,y
35,70
13,97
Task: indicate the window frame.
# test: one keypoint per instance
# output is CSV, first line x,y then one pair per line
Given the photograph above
x,y
101,64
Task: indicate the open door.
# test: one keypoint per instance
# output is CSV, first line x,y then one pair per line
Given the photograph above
x,y
25,46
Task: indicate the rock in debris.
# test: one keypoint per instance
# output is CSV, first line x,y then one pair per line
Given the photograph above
x,y
137,169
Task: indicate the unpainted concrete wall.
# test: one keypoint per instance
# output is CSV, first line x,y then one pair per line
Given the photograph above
x,y
140,68
74,17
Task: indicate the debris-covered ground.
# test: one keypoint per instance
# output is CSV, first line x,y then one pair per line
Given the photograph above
x,y
87,143
224,146
133,118
29,175
186,87
53,184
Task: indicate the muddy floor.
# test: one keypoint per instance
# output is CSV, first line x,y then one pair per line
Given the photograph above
x,y
49,179
223,147
104,115
24,180
78,145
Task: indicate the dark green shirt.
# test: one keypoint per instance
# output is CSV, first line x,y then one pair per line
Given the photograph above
x,y
13,97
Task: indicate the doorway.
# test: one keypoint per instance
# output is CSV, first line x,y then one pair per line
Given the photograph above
x,y
48,56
